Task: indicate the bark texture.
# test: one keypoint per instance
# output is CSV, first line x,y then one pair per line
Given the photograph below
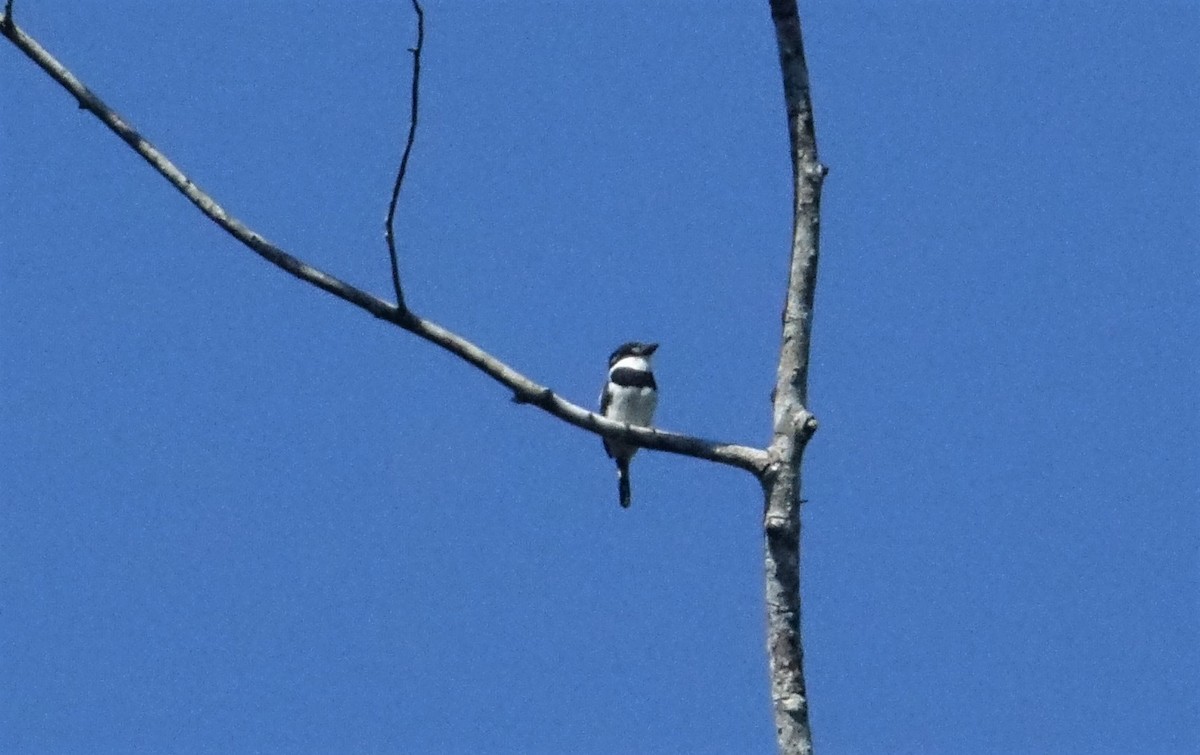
x,y
793,423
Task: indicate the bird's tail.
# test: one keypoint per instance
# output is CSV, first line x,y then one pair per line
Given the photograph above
x,y
623,482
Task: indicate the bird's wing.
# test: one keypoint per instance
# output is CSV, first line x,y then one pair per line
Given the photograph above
x,y
605,400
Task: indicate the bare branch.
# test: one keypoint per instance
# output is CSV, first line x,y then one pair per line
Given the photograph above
x,y
7,22
389,226
794,424
524,390
807,177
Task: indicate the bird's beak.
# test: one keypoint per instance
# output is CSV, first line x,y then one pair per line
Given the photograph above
x,y
649,349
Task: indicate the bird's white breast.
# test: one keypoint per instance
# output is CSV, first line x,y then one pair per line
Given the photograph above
x,y
632,404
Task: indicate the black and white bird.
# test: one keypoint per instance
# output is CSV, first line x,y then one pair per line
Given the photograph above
x,y
629,396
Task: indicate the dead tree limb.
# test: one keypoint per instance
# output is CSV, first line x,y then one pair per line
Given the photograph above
x,y
793,423
524,390
777,467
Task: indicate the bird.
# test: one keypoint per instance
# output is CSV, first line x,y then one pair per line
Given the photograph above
x,y
630,396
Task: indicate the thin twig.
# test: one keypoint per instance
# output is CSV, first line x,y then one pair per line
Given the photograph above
x,y
389,226
7,23
524,390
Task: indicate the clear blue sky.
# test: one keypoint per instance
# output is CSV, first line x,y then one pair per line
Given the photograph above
x,y
239,515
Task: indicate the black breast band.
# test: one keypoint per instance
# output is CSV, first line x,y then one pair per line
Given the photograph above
x,y
627,377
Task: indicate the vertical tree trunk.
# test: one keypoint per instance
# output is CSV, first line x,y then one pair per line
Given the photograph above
x,y
793,423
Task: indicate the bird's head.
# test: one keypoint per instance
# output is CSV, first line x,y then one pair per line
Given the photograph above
x,y
632,349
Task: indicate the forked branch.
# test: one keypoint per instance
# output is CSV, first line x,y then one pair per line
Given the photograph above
x,y
524,389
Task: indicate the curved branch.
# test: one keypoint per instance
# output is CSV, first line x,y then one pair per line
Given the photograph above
x,y
524,390
390,223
